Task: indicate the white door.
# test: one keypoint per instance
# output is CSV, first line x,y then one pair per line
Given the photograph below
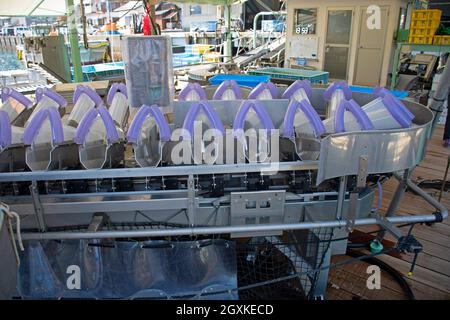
x,y
370,50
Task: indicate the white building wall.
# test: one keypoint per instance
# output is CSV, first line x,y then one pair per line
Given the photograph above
x,y
356,5
209,13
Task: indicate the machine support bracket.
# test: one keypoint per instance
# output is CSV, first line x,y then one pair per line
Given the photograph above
x,y
191,200
360,184
38,209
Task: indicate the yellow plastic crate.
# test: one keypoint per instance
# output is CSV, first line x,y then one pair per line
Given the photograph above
x,y
432,14
425,24
421,39
441,40
211,57
201,48
429,32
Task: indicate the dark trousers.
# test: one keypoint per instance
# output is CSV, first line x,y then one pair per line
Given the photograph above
x,y
447,121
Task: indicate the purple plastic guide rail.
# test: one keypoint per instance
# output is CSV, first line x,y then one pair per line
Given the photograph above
x,y
116,87
310,113
261,87
238,124
40,92
228,84
398,110
192,87
112,135
211,114
16,95
297,85
342,85
138,121
91,93
52,114
358,113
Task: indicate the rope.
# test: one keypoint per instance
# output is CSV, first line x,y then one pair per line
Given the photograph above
x,y
11,215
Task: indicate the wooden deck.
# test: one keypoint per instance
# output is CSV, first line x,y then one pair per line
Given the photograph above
x,y
431,278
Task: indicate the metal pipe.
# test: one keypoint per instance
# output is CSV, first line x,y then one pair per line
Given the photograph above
x,y
341,197
228,45
73,39
436,204
221,230
440,95
159,171
264,13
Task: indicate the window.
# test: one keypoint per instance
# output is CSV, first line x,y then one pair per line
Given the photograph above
x,y
195,10
305,21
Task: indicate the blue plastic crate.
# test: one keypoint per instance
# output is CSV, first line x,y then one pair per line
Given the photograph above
x,y
398,94
315,77
241,79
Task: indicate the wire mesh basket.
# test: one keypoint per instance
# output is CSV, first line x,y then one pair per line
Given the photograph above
x,y
285,267
258,268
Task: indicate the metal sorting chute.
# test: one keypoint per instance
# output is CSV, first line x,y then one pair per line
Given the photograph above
x,y
101,142
301,130
84,99
264,91
300,90
192,92
348,117
201,127
334,95
49,141
14,103
387,112
12,153
118,104
252,128
228,90
148,134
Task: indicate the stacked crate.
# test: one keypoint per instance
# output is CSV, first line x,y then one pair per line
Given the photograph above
x,y
424,24
441,40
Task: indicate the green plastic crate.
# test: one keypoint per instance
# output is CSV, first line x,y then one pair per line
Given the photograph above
x,y
315,77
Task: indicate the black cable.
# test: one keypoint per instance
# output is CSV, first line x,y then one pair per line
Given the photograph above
x,y
385,267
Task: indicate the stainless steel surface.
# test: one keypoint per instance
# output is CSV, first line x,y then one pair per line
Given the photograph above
x,y
257,208
221,230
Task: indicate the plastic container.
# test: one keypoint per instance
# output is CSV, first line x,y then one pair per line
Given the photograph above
x,y
118,104
303,127
84,99
252,128
421,39
100,141
241,79
387,113
441,40
264,91
192,92
148,134
396,93
314,76
49,142
149,70
14,103
349,117
200,118
228,90
335,94
299,90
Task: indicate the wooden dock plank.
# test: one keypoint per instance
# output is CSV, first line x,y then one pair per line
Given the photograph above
x,y
431,278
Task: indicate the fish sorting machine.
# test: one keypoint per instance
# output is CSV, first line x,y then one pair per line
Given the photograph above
x,y
147,227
